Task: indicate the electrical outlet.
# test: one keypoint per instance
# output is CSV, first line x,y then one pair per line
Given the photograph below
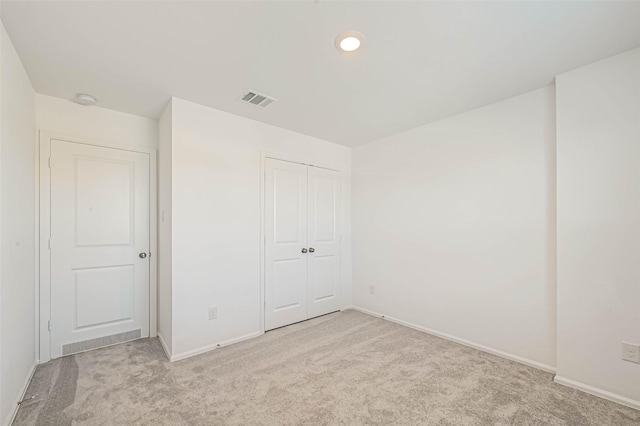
x,y
372,289
213,312
631,352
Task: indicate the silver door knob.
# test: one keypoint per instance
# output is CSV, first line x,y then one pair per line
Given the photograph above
x,y
311,249
142,255
304,250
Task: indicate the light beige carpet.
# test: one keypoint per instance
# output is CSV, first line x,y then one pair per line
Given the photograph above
x,y
343,368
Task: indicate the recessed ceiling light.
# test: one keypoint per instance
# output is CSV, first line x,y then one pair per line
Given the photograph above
x,y
349,41
84,99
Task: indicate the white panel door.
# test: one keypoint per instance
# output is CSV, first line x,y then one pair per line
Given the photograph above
x,y
285,243
324,241
99,246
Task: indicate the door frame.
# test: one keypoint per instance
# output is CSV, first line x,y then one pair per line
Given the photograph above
x,y
264,155
43,228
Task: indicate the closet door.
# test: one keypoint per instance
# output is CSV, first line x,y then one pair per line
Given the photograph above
x,y
324,241
285,243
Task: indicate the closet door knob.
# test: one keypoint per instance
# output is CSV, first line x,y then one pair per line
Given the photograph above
x,y
311,249
304,250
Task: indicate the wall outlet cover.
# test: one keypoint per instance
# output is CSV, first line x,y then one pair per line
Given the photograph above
x,y
372,289
631,352
213,312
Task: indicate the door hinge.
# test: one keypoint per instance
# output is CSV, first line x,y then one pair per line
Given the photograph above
x,y
49,325
49,243
49,162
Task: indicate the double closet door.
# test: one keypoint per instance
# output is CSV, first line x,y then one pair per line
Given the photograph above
x,y
302,242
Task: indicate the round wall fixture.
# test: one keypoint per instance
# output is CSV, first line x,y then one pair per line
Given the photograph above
x,y
349,41
84,99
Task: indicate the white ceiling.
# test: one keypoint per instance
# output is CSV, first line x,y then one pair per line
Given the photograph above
x,y
421,61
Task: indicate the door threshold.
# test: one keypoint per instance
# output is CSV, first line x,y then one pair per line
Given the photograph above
x,y
304,320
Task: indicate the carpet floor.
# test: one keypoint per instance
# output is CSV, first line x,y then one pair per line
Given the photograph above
x,y
343,368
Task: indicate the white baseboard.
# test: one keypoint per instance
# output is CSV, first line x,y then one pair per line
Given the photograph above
x,y
21,395
598,392
511,357
167,352
203,349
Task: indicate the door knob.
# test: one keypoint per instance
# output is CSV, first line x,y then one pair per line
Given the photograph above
x,y
142,255
304,250
311,249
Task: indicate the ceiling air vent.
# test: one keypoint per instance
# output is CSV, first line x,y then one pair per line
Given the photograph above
x,y
257,99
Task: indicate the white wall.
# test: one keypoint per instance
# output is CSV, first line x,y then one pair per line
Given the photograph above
x,y
598,113
216,220
61,117
17,232
165,184
454,225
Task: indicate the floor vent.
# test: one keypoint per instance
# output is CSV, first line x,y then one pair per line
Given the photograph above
x,y
74,348
257,99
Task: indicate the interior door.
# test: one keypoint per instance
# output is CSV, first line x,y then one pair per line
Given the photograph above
x,y
99,246
285,243
324,241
